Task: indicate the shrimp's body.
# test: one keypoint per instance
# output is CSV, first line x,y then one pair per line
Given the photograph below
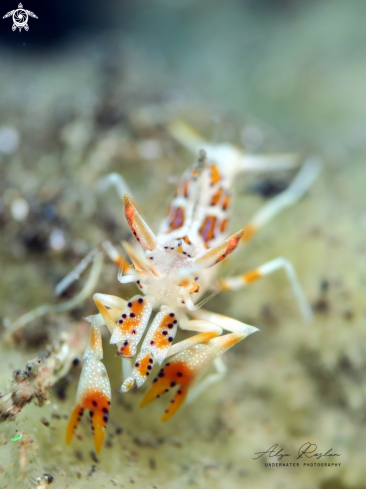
x,y
172,269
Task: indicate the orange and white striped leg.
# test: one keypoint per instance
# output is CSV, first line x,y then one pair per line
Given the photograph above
x,y
94,392
235,283
296,190
189,365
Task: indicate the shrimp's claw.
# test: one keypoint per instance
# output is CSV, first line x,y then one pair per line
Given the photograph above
x,y
185,368
94,392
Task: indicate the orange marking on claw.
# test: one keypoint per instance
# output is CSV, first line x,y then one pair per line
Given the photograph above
x,y
161,335
172,374
125,350
215,174
129,210
98,404
144,363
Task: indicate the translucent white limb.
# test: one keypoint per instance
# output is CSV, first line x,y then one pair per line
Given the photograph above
x,y
207,381
74,275
126,368
235,283
267,162
302,182
85,292
206,331
229,324
232,159
114,180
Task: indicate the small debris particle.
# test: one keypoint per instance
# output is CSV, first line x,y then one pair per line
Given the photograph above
x,y
45,421
48,478
94,457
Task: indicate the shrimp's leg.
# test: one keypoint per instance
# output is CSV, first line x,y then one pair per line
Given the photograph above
x,y
302,182
189,365
235,283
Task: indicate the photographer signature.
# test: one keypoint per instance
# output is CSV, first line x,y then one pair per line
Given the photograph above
x,y
307,450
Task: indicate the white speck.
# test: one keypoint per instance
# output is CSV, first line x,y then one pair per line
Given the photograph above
x,y
9,140
149,149
19,209
57,239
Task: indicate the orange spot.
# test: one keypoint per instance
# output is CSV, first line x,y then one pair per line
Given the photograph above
x,y
223,225
250,230
122,264
226,202
215,175
207,229
176,218
251,276
216,197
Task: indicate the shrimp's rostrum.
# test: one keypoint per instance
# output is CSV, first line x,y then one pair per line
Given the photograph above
x,y
172,270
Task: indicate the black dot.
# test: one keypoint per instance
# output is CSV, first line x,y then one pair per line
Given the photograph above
x,y
166,390
78,419
105,419
172,314
179,392
196,278
170,339
155,380
151,257
175,321
180,374
141,300
138,239
151,360
75,362
95,404
165,247
149,367
152,342
167,365
105,410
173,384
120,321
137,364
91,413
133,331
109,403
170,325
167,410
184,252
161,374
172,401
164,333
125,343
124,316
138,282
132,315
129,304
147,373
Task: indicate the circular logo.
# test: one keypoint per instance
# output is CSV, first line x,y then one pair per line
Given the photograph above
x,y
20,18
